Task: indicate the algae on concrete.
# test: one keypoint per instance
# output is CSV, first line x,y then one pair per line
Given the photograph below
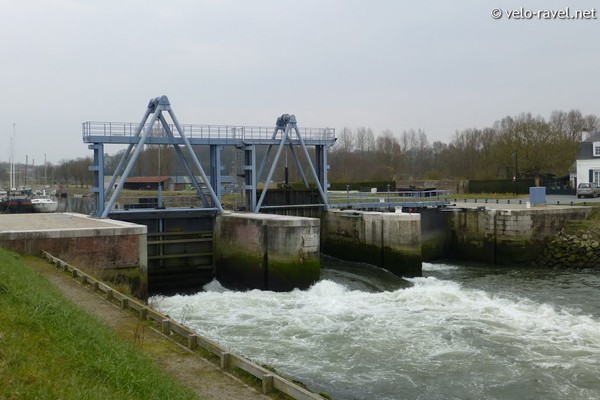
x,y
387,240
265,251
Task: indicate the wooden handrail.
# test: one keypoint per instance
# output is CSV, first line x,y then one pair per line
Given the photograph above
x,y
269,379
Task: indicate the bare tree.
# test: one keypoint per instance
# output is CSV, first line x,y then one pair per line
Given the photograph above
x,y
364,140
345,141
572,124
541,147
80,171
63,172
341,156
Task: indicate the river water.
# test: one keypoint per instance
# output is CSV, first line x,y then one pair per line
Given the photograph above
x,y
458,332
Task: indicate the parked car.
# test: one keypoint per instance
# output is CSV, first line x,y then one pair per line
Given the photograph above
x,y
590,189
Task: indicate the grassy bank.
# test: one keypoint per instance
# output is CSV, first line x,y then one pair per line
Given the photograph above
x,y
50,349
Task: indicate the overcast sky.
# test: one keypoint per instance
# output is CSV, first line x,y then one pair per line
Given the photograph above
x,y
439,66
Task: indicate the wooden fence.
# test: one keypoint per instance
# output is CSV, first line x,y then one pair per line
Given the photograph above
x,y
270,380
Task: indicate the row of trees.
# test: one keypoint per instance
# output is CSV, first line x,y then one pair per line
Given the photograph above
x,y
530,143
73,172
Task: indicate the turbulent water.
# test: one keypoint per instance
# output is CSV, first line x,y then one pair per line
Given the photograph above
x,y
459,332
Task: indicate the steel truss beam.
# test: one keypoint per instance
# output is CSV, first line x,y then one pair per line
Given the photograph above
x,y
287,126
154,112
286,135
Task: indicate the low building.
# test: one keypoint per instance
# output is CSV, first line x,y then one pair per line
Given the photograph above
x,y
147,182
588,160
182,182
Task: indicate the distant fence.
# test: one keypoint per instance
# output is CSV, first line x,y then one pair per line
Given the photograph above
x,y
270,380
553,186
378,200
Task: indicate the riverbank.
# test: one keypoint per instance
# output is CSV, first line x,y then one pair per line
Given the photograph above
x,y
100,351
575,246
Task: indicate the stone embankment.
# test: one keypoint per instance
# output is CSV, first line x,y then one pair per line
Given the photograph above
x,y
572,250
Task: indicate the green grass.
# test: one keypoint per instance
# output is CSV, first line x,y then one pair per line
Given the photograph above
x,y
50,349
590,224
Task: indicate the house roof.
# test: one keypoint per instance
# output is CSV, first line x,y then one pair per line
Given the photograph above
x,y
225,179
147,179
178,179
593,137
586,150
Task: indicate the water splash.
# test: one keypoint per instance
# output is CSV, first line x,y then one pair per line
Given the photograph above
x,y
434,339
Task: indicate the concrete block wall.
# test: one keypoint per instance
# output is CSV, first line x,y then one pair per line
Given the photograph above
x,y
102,247
388,240
507,236
77,239
509,223
266,251
538,223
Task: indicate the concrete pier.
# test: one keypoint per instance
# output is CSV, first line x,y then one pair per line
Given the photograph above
x,y
266,251
95,245
388,240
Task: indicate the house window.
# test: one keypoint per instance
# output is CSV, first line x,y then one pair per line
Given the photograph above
x,y
596,176
596,149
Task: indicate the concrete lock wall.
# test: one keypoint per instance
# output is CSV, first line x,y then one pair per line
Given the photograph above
x,y
435,239
388,240
180,248
99,246
507,237
268,252
77,239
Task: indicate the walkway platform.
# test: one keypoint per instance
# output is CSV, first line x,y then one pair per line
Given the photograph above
x,y
61,225
509,206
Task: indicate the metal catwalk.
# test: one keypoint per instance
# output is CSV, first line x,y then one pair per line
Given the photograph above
x,y
159,126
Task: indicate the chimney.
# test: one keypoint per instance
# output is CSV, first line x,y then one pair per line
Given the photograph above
x,y
584,135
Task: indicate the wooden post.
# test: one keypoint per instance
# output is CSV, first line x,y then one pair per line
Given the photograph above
x,y
225,360
267,384
166,326
192,341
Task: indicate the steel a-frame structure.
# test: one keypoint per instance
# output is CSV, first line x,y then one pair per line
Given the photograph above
x,y
155,112
247,138
286,134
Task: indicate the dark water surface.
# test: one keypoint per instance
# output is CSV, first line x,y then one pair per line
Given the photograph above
x,y
459,332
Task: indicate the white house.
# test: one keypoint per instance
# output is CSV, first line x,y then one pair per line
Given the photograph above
x,y
588,160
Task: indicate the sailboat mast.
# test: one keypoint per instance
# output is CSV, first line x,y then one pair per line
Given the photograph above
x,y
10,166
12,158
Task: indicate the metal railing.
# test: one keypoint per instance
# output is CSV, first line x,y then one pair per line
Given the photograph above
x,y
191,201
355,199
194,131
336,199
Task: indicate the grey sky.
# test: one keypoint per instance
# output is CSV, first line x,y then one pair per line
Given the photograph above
x,y
436,65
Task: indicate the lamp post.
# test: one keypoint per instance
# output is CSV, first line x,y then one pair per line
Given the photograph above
x,y
516,177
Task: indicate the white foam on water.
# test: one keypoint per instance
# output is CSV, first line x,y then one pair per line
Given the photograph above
x,y
433,337
429,267
215,286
